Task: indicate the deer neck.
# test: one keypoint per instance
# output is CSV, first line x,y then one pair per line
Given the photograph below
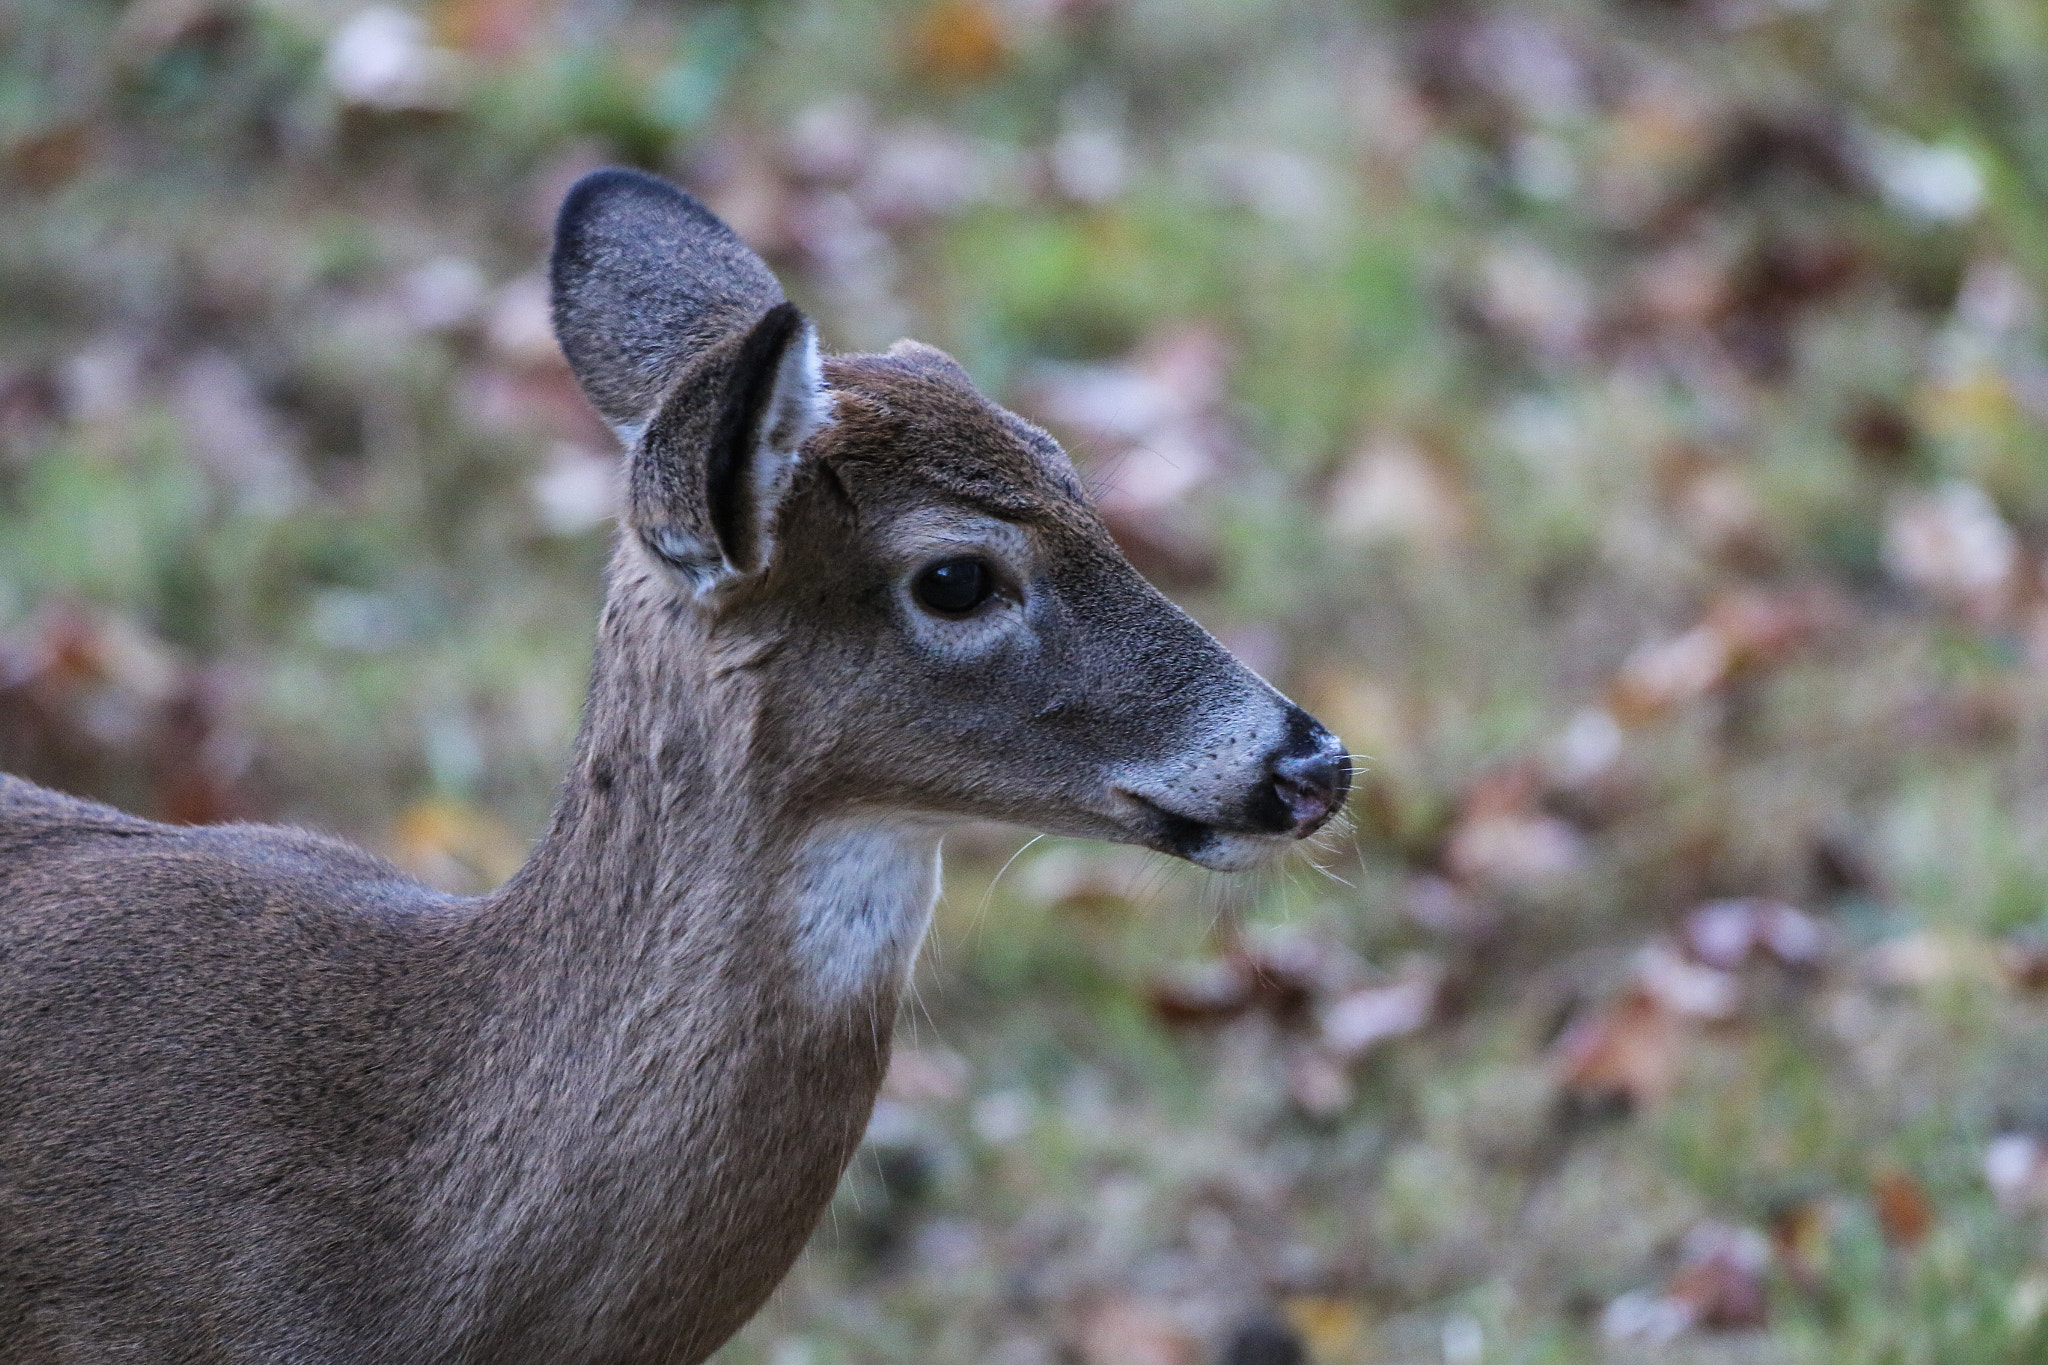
x,y
695,987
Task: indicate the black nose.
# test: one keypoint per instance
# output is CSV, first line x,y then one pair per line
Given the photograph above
x,y
1311,775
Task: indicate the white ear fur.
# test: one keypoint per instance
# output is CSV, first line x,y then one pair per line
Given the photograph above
x,y
796,407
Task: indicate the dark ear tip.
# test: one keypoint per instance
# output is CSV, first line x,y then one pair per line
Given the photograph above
x,y
606,181
601,193
773,332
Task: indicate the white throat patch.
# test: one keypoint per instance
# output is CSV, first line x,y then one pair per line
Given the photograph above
x,y
864,896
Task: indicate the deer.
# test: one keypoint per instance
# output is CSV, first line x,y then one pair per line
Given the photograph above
x,y
264,1098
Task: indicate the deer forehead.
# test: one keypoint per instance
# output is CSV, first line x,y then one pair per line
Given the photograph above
x,y
896,428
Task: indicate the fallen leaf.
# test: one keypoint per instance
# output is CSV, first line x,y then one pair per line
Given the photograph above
x,y
1127,1331
1361,1020
1331,1327
1741,631
1718,1286
1690,989
960,40
1727,934
936,1075
2016,1169
1905,1214
1317,1082
1628,1053
1392,491
1799,1233
1514,850
1661,677
1954,545
1720,1279
1208,993
455,846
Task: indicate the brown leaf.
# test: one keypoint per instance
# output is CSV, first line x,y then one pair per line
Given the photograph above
x,y
1126,1331
1393,491
1317,1082
1628,1053
1728,933
1721,1281
932,1074
960,41
1741,631
1718,1286
2024,959
1361,1020
1904,1212
47,159
1799,1238
493,29
455,846
1208,993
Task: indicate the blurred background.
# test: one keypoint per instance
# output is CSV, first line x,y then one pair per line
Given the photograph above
x,y
1622,421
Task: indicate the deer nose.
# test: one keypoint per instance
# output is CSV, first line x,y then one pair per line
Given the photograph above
x,y
1310,776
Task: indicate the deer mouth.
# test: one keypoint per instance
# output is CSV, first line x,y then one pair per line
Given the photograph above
x,y
1205,843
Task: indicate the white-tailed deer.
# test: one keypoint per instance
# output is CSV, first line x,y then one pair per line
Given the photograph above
x,y
264,1099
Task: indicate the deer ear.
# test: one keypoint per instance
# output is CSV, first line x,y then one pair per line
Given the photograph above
x,y
644,279
716,461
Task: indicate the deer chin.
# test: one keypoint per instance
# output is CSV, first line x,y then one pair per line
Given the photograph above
x,y
1203,843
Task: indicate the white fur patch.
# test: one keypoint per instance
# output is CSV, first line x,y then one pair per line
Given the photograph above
x,y
864,896
796,407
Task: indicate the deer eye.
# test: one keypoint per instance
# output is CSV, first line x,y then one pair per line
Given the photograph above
x,y
954,587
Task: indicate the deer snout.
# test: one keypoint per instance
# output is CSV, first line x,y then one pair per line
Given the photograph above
x,y
1309,775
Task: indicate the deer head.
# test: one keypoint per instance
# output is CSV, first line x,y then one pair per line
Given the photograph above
x,y
904,585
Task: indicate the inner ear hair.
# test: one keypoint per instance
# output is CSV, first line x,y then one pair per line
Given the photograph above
x,y
772,403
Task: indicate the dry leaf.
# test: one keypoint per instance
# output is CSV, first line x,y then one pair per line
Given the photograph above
x,y
1718,1286
1317,1082
2016,1169
1728,933
1689,989
1799,1238
455,846
1721,1277
1627,1053
1207,993
1742,630
1904,1212
936,1075
1519,849
960,40
1331,1327
1391,490
1357,1022
1134,1332
1955,546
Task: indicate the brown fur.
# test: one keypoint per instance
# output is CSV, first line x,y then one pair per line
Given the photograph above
x,y
265,1099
